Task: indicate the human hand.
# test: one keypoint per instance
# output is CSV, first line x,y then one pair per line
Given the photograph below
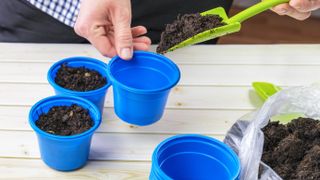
x,y
298,9
106,24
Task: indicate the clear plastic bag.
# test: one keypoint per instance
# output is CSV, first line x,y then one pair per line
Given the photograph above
x,y
246,137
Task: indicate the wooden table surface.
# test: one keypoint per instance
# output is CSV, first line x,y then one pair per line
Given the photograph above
x,y
214,91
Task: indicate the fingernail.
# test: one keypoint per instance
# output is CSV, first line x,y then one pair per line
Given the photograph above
x,y
126,53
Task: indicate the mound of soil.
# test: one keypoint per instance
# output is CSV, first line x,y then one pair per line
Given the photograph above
x,y
65,120
293,150
186,26
79,78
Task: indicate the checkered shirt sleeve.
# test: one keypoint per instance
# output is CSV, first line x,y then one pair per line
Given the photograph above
x,y
66,11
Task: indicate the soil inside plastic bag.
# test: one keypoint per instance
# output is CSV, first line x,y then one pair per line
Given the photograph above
x,y
293,150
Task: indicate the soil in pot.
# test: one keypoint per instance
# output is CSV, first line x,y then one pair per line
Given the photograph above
x,y
293,150
79,78
65,120
184,27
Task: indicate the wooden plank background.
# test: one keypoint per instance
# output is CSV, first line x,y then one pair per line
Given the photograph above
x,y
214,91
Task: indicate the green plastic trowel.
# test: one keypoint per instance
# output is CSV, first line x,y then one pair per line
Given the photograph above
x,y
233,24
265,90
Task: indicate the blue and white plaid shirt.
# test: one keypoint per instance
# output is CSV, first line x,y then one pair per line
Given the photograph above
x,y
65,11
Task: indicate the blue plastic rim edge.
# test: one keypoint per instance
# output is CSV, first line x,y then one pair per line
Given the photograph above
x,y
155,163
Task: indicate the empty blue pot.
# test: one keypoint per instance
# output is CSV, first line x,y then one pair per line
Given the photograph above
x,y
64,153
96,96
141,86
194,157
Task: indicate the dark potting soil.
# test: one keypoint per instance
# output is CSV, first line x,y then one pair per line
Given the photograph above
x,y
293,150
186,26
79,78
65,120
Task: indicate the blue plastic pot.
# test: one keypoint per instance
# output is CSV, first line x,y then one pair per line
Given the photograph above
x,y
194,157
96,96
141,86
64,153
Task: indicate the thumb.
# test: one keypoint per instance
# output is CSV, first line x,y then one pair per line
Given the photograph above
x,y
122,33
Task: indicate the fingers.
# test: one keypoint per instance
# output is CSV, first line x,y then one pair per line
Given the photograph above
x,y
121,19
286,9
106,24
298,9
305,5
141,46
98,38
138,31
142,39
104,46
141,43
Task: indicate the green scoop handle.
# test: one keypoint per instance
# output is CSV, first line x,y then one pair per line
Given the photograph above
x,y
254,10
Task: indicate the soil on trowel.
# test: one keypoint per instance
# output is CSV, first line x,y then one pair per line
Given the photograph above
x,y
79,78
186,26
65,120
293,150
